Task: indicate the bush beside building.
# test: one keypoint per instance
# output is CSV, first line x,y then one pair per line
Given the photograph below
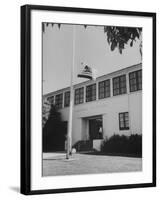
x,y
124,145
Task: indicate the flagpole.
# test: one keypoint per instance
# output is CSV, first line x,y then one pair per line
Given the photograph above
x,y
69,134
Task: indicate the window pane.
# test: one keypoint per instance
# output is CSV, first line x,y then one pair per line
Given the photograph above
x,y
132,75
127,124
135,80
123,90
122,124
59,100
67,99
104,89
91,93
79,95
140,86
123,121
119,85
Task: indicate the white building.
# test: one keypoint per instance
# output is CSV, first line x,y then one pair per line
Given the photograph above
x,y
110,105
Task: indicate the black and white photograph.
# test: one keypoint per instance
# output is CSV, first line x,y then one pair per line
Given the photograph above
x,y
89,92
92,99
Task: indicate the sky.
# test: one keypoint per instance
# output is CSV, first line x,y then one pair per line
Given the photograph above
x,y
91,48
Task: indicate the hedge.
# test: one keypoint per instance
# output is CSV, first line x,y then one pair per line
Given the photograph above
x,y
121,144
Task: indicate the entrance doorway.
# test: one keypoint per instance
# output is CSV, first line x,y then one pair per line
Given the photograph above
x,y
95,128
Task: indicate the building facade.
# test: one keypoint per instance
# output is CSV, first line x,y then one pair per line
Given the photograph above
x,y
110,105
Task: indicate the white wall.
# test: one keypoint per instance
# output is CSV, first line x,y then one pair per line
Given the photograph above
x,y
10,103
109,108
135,101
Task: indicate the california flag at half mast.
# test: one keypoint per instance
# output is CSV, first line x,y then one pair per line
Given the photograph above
x,y
87,72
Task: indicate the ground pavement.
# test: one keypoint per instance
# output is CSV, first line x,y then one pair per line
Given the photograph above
x,y
56,164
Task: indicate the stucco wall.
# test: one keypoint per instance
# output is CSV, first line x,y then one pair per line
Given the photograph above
x,y
109,108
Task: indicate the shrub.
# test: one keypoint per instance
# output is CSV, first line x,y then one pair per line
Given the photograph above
x,y
53,132
128,145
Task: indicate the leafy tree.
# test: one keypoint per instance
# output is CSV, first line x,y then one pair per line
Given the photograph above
x,y
45,108
118,37
53,131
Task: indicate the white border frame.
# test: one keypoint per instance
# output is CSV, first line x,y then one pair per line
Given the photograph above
x,y
43,183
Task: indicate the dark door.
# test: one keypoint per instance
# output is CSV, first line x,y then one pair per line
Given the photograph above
x,y
95,128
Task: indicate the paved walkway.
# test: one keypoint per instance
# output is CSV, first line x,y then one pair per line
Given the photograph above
x,y
56,164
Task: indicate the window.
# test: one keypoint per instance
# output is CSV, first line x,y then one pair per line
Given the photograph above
x,y
104,89
51,99
66,99
59,100
119,85
123,121
135,80
79,95
90,92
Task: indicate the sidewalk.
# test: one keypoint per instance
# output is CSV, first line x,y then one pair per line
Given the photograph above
x,y
56,164
47,156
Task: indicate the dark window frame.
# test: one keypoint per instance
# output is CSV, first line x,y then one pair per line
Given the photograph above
x,y
124,116
91,92
59,101
135,80
79,96
67,99
104,90
119,85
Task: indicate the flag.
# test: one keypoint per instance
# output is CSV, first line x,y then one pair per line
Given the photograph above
x,y
87,72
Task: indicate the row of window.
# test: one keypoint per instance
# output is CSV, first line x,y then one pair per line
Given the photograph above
x,y
119,87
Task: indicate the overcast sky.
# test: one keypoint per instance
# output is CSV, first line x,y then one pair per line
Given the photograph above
x,y
91,47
